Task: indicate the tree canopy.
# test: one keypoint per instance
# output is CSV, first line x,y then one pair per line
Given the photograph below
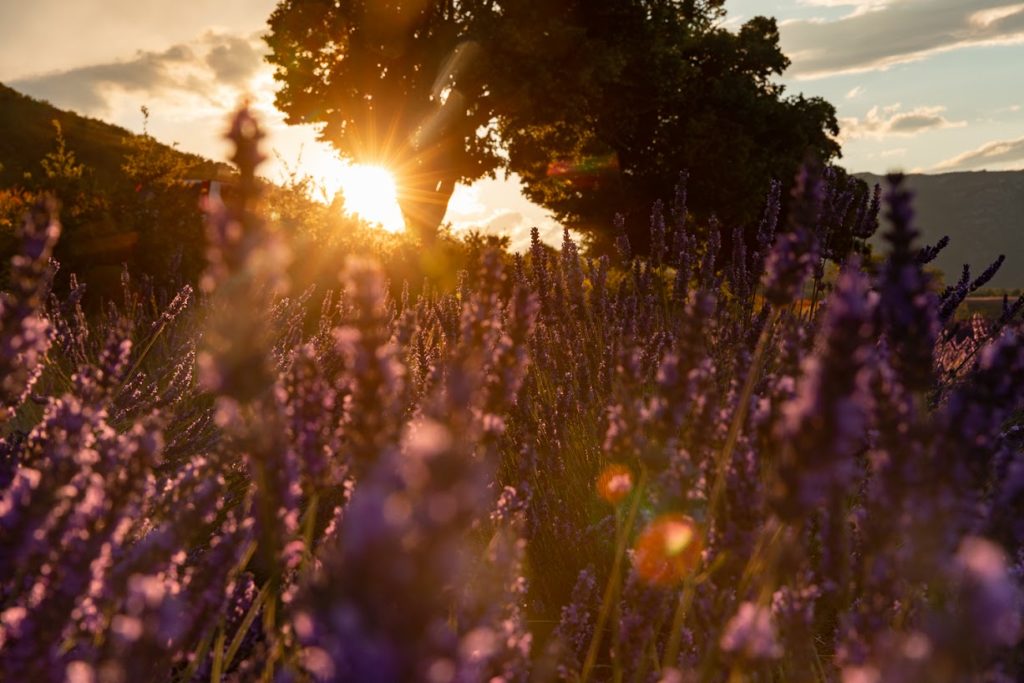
x,y
598,105
383,79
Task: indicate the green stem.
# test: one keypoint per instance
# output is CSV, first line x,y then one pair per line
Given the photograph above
x,y
613,581
218,655
270,629
814,300
740,416
142,357
243,628
736,676
676,634
199,658
617,672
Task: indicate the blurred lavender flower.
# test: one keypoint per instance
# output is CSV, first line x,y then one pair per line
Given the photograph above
x,y
994,601
24,331
927,254
791,260
908,308
825,423
750,634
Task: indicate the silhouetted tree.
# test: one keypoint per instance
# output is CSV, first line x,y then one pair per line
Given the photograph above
x,y
607,101
387,80
598,103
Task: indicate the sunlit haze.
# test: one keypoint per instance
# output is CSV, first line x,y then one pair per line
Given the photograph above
x,y
370,193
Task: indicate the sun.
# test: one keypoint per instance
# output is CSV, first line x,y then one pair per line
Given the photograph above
x,y
372,195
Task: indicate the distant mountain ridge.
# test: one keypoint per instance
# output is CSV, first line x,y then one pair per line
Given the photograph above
x,y
981,211
27,134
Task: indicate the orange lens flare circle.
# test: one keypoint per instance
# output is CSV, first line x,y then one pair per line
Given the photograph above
x,y
668,550
615,483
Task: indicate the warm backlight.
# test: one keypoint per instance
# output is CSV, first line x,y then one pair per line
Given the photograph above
x,y
371,194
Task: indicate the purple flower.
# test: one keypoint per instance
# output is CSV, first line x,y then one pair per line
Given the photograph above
x,y
908,308
751,635
24,331
825,423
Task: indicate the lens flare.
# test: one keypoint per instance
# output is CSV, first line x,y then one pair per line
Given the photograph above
x,y
668,550
587,172
615,483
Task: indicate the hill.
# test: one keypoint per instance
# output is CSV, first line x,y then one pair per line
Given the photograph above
x,y
123,209
983,214
28,134
981,211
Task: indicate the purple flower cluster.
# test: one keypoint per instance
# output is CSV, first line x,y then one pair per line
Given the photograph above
x,y
678,467
25,334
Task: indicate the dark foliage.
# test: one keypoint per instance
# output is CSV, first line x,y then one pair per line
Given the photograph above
x,y
599,103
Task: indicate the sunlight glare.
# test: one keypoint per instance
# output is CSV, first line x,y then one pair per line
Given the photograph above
x,y
372,195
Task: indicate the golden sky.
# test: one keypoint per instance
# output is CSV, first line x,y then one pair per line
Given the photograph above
x,y
924,85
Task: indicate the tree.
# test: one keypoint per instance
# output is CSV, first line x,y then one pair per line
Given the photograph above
x,y
646,89
598,104
386,78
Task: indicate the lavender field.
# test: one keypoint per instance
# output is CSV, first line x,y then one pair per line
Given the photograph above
x,y
666,467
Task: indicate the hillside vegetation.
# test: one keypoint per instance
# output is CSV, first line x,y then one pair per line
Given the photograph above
x,y
27,126
123,208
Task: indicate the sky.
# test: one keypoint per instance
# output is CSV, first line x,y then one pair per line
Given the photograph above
x,y
920,85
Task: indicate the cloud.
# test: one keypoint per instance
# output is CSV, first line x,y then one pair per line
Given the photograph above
x,y
859,6
516,226
988,155
199,67
233,59
465,203
879,35
41,36
855,92
85,88
505,222
880,122
512,224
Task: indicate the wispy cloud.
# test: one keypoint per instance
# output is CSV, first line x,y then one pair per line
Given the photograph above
x,y
1012,109
987,17
997,152
201,67
881,122
879,35
191,89
50,35
512,224
854,93
859,6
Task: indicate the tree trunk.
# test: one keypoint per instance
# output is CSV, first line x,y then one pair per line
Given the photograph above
x,y
424,205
